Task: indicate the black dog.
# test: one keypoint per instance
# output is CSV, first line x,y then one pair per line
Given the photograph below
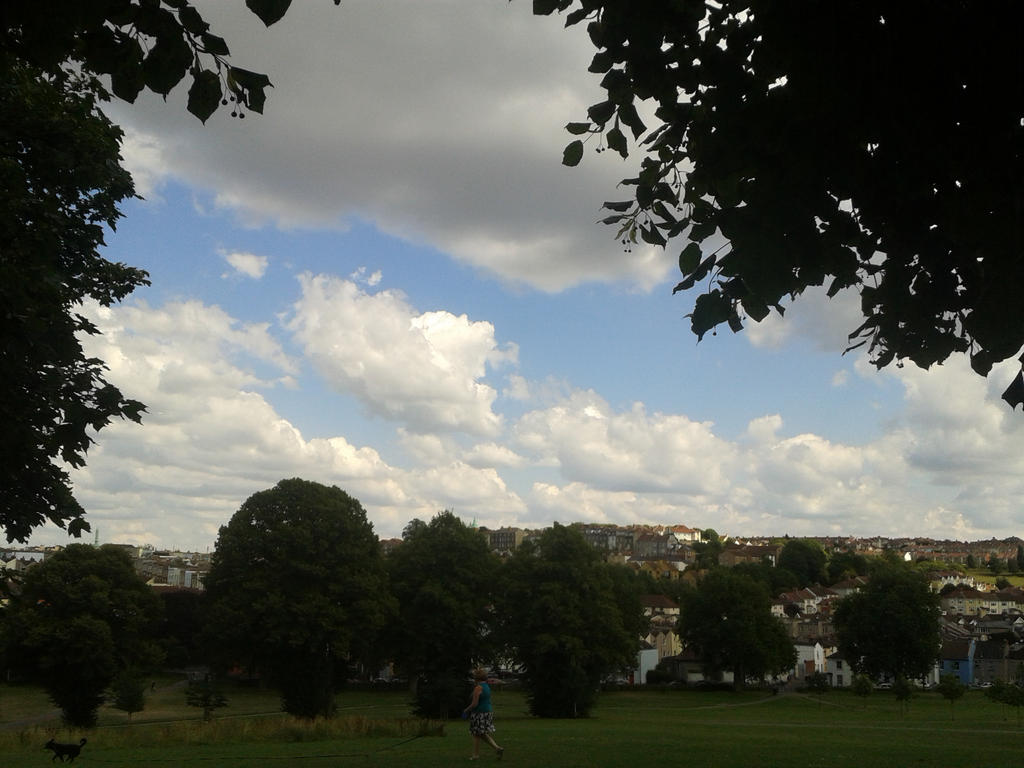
x,y
64,751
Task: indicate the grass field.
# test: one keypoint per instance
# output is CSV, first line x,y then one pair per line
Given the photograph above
x,y
700,729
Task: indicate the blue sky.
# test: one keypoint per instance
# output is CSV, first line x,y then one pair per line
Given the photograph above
x,y
389,283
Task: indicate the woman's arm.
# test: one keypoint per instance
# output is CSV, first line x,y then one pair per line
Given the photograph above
x,y
476,698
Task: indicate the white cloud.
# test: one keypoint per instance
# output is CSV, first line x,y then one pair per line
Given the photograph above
x,y
440,123
426,369
248,264
591,443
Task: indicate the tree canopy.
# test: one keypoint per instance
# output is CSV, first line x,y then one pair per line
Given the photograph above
x,y
824,144
60,184
443,576
891,626
297,587
569,618
727,620
82,617
805,559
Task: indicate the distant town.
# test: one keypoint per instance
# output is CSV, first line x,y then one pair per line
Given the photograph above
x,y
665,551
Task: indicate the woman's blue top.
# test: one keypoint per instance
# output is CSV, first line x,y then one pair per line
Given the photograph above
x,y
483,703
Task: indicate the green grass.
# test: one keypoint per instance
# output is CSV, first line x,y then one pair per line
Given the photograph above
x,y
702,730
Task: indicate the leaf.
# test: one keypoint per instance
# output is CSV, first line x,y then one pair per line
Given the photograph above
x,y
601,112
214,44
629,116
652,235
577,129
709,310
192,21
617,141
573,153
250,87
166,63
689,258
205,94
1014,394
544,7
621,206
269,11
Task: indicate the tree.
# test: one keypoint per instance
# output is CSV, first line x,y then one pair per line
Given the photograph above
x,y
891,626
862,686
845,565
443,577
831,144
569,618
128,692
297,587
206,695
728,623
1007,694
61,181
903,691
952,689
82,617
708,549
806,559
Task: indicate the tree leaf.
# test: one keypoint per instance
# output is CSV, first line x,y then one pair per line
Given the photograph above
x,y
617,140
205,94
577,129
573,153
709,310
214,44
269,11
689,258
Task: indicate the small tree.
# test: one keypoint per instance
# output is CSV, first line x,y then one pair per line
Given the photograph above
x,y
862,687
1008,695
951,689
818,683
128,692
205,695
904,691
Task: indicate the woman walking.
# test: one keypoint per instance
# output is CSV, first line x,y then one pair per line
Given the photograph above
x,y
481,715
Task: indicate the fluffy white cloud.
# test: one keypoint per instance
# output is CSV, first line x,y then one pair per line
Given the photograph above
x,y
591,443
423,369
247,264
211,438
440,123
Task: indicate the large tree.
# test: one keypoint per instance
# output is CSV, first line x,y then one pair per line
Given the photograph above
x,y
61,181
296,588
443,577
805,559
872,145
891,626
82,617
569,618
727,621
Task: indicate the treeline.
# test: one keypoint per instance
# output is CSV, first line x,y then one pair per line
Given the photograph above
x,y
299,593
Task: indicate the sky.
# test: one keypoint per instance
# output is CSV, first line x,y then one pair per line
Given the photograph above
x,y
388,282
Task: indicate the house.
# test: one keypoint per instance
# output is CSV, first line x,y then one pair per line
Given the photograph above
x,y
734,554
838,670
646,660
964,600
957,658
847,587
662,613
810,658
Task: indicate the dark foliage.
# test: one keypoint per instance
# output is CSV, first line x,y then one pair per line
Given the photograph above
x,y
871,145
